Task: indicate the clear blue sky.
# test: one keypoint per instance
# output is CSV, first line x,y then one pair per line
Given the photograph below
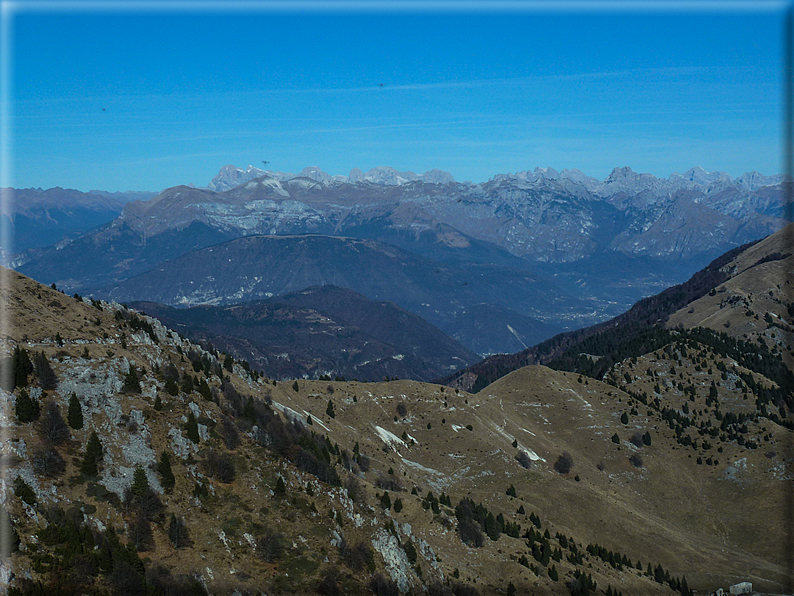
x,y
149,99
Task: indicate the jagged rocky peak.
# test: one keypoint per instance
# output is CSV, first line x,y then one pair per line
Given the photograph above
x,y
231,176
755,180
698,177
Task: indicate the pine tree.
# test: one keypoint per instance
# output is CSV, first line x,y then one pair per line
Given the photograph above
x,y
26,409
167,478
75,413
140,484
177,533
187,384
553,575
385,501
21,368
191,426
330,409
93,454
171,387
616,439
47,377
204,390
624,418
492,527
131,381
281,488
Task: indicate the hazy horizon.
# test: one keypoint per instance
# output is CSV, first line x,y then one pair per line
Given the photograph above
x,y
144,99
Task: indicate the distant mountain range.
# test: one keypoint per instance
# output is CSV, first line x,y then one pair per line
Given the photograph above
x,y
38,218
505,246
231,176
446,295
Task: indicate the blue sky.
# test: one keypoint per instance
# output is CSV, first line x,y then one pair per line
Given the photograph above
x,y
147,99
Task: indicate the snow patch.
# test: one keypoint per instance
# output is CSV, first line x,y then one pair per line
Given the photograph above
x,y
388,437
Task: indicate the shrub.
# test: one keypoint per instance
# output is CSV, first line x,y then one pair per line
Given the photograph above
x,y
380,585
402,410
564,463
636,461
23,490
616,439
231,437
178,533
389,483
646,438
220,466
140,533
126,580
53,427
358,557
270,546
470,533
48,463
637,439
329,582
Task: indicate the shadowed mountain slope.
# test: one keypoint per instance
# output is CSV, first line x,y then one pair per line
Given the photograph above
x,y
321,331
259,267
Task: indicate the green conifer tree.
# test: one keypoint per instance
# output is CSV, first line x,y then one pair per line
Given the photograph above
x,y
93,454
75,413
167,478
131,381
191,426
140,484
26,408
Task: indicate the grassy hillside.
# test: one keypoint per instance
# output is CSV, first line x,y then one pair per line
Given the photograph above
x,y
542,483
